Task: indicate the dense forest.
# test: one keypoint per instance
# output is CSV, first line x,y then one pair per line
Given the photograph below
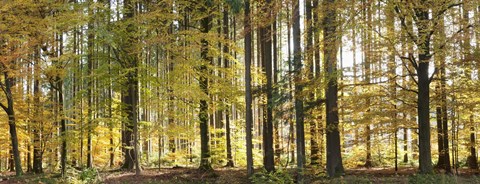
x,y
313,88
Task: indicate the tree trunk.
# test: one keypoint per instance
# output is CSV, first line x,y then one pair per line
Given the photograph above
x,y
366,44
7,87
205,164
310,64
90,60
228,107
37,134
248,87
265,35
130,95
299,114
63,122
291,129
276,122
472,158
441,110
330,35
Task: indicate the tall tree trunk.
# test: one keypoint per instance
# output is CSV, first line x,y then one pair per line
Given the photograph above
x,y
291,129
248,87
130,95
472,158
29,112
90,60
265,35
7,89
392,78
63,122
310,64
228,109
318,91
276,130
441,109
37,134
423,98
367,42
299,114
330,35
205,164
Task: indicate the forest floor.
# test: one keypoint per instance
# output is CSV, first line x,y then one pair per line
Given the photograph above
x,y
238,176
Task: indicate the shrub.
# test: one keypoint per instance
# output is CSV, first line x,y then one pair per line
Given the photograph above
x,y
265,177
89,175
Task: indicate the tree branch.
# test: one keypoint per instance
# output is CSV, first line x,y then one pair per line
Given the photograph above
x,y
3,107
412,75
404,25
406,89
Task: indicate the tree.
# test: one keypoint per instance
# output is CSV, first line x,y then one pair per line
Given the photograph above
x,y
334,157
90,82
441,109
205,164
248,87
426,27
228,109
127,55
6,67
299,114
266,47
472,158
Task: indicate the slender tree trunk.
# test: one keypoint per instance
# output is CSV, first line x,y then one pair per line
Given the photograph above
x,y
90,60
276,122
248,87
472,158
299,114
9,109
367,42
63,122
37,134
228,108
441,109
291,136
310,64
392,79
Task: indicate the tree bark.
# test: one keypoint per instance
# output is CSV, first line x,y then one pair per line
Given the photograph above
x,y
423,85
130,95
9,109
90,54
441,109
228,107
248,87
266,39
37,130
310,64
299,114
205,164
472,158
334,157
